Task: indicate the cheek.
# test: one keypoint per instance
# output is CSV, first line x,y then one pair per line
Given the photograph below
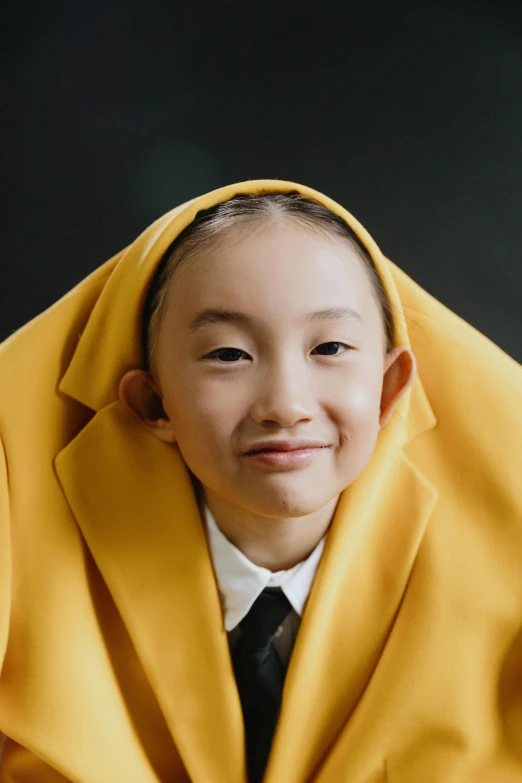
x,y
204,418
358,430
360,409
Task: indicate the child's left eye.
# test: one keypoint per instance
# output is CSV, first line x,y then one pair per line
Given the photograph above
x,y
232,353
333,343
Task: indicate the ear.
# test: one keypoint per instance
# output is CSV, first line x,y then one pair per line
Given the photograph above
x,y
141,396
400,368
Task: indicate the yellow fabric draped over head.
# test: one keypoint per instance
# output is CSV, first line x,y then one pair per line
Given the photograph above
x,y
115,664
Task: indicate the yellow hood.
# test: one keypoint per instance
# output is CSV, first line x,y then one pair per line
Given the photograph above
x,y
117,314
116,659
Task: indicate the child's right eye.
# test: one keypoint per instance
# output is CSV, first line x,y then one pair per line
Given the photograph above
x,y
227,352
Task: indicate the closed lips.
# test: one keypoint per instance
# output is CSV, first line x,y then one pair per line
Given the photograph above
x,y
286,446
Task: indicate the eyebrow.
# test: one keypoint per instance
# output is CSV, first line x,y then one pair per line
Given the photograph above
x,y
218,315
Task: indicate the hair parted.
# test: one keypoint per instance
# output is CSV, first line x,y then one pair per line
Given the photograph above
x,y
211,226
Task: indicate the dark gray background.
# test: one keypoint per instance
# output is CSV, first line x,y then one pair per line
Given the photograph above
x,y
407,113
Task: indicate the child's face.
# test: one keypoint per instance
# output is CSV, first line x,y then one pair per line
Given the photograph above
x,y
272,382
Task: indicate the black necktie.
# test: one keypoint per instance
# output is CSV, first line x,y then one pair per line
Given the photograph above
x,y
260,676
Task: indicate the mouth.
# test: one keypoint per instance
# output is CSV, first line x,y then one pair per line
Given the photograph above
x,y
283,451
287,459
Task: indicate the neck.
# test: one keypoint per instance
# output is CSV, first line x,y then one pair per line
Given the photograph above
x,y
276,543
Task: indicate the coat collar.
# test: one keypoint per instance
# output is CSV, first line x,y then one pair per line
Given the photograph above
x,y
134,502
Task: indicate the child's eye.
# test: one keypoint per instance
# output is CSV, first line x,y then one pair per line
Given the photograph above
x,y
330,344
230,355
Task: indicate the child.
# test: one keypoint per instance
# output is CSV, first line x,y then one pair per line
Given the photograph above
x,y
260,515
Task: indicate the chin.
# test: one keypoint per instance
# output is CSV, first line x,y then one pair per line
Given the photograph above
x,y
286,502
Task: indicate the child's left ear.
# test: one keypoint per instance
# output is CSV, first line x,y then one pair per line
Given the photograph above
x,y
141,397
400,368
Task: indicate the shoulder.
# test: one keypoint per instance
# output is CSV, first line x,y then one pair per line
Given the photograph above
x,y
474,388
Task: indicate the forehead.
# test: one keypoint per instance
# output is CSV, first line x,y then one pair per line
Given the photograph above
x,y
274,272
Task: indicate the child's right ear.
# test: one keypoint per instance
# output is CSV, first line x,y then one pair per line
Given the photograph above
x,y
141,396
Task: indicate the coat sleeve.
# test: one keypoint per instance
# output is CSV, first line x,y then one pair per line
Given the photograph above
x,y
5,557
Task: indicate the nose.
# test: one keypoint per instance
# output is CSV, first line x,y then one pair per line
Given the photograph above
x,y
284,395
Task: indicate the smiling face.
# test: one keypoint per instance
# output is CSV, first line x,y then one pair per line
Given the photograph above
x,y
276,372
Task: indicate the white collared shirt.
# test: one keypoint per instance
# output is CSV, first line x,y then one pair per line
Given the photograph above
x,y
240,582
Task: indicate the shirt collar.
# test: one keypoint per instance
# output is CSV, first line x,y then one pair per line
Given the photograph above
x,y
240,581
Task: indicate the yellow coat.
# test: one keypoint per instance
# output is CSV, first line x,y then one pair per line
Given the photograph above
x,y
408,664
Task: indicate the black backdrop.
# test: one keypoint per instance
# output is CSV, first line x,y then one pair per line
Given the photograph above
x,y
408,113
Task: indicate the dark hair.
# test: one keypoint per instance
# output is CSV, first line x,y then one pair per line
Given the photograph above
x,y
211,225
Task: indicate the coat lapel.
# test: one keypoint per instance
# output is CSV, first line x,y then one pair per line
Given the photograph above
x,y
134,503
376,531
